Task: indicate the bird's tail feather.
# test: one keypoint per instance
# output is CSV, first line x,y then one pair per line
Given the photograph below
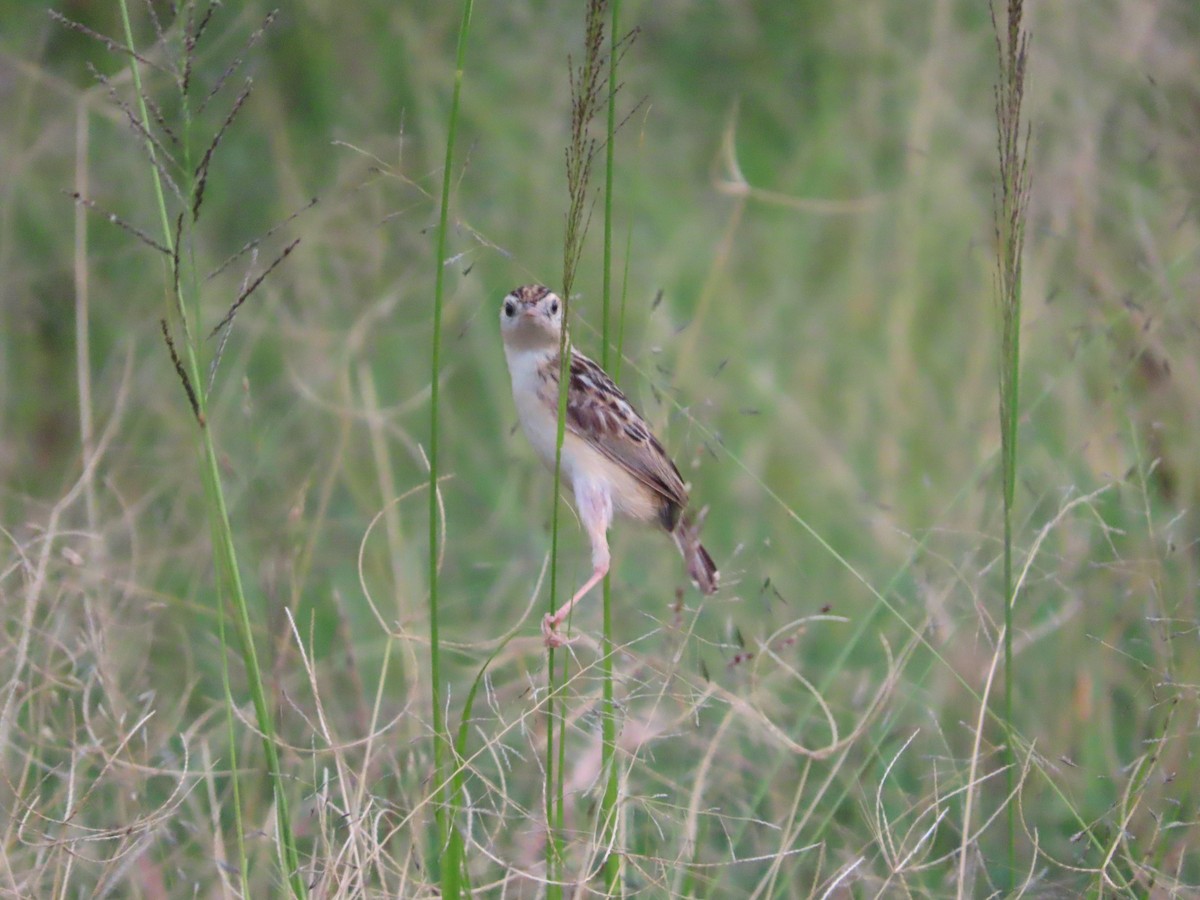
x,y
700,566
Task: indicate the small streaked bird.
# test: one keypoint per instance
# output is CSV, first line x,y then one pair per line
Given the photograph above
x,y
610,459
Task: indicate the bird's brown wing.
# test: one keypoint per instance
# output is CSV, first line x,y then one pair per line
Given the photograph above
x,y
598,412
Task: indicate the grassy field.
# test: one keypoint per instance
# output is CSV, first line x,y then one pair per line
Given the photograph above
x,y
803,226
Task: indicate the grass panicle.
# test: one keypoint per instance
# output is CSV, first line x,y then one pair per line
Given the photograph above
x,y
177,246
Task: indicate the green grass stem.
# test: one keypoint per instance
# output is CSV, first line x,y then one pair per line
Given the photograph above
x,y
609,764
579,156
444,812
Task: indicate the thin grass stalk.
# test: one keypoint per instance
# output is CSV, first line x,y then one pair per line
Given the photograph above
x,y
289,856
579,155
83,354
553,787
555,763
223,545
231,734
608,801
1011,205
442,749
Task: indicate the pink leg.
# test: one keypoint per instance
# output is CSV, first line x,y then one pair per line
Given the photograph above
x,y
595,511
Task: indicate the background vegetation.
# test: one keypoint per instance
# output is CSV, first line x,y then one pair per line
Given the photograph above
x,y
804,208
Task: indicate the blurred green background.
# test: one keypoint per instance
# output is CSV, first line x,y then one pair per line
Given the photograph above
x,y
803,218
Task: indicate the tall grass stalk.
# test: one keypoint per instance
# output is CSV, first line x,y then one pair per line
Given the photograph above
x,y
608,760
184,293
586,82
442,749
83,354
1011,203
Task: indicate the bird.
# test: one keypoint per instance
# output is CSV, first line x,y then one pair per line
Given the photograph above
x,y
611,461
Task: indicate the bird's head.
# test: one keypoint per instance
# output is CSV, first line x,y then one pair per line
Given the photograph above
x,y
531,318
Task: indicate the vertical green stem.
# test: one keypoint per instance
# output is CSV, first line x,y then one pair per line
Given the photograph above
x,y
1009,602
554,762
553,788
1010,364
441,738
608,802
584,94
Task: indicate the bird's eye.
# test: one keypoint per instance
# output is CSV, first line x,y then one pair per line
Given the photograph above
x,y
509,308
553,307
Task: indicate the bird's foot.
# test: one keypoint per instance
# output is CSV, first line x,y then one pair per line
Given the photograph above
x,y
551,633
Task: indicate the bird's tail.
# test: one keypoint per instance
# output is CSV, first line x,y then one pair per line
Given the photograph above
x,y
700,566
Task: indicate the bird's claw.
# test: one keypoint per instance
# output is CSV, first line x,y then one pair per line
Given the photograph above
x,y
551,634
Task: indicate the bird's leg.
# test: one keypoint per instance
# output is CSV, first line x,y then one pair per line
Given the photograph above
x,y
551,622
595,511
